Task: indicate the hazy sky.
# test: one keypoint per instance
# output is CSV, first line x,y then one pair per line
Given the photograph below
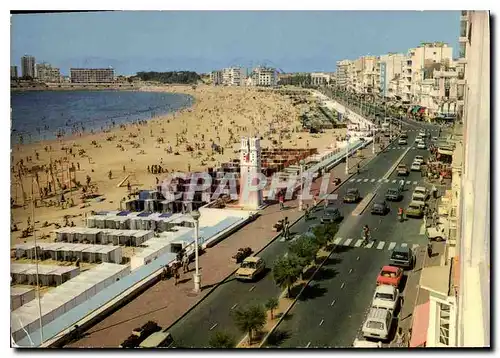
x,y
293,41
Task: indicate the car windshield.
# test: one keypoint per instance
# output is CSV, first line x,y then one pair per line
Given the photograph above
x,y
331,212
419,191
375,325
249,265
392,191
414,207
379,205
384,296
390,274
352,191
399,256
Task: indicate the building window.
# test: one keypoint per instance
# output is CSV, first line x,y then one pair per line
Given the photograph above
x,y
444,324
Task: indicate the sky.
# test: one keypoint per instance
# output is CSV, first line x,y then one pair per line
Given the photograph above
x,y
202,41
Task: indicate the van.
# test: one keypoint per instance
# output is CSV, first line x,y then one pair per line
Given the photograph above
x,y
378,324
160,339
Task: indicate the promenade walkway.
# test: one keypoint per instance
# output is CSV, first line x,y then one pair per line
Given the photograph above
x,y
165,303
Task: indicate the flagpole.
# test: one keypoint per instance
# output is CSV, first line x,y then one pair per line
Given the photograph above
x,y
36,263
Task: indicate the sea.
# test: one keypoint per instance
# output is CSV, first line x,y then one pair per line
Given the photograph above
x,y
44,115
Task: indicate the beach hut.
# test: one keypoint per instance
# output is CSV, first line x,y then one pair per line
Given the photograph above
x,y
20,296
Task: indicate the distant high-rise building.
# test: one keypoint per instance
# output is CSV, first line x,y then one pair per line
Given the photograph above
x,y
13,72
92,75
28,66
47,73
264,76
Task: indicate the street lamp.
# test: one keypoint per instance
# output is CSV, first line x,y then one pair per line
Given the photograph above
x,y
373,138
347,156
195,214
301,163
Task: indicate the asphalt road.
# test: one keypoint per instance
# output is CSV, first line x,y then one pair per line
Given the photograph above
x,y
214,313
332,315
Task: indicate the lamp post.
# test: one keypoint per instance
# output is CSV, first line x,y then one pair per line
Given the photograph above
x,y
197,278
301,163
347,156
373,138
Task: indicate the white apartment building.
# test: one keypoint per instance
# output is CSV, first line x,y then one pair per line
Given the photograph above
x,y
264,76
391,69
216,77
28,66
48,74
343,73
233,76
459,304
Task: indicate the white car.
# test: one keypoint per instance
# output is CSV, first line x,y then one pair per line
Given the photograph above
x,y
422,133
422,190
421,145
359,343
378,323
386,296
418,159
415,167
402,141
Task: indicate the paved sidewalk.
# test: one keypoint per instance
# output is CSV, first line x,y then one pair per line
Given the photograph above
x,y
165,303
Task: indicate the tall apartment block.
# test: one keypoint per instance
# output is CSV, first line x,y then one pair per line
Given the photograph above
x,y
230,76
92,75
13,72
264,76
28,66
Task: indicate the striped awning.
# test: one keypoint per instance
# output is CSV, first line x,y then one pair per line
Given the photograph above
x,y
415,109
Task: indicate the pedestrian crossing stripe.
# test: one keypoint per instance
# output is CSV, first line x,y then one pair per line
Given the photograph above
x,y
350,181
408,182
415,183
371,181
392,245
404,244
358,243
380,180
337,240
370,245
347,242
380,245
365,180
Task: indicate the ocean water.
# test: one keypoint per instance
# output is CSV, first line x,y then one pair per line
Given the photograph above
x,y
42,115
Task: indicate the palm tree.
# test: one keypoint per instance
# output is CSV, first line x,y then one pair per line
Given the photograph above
x,y
221,340
250,319
272,304
305,247
286,271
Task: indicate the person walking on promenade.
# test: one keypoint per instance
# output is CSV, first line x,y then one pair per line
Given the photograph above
x,y
434,192
185,264
175,269
429,249
281,201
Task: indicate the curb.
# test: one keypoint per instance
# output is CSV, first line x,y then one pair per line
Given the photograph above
x,y
274,238
266,337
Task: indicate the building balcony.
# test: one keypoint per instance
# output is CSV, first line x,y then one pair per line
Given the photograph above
x,y
462,39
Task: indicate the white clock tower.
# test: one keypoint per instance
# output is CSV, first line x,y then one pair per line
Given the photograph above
x,y
250,168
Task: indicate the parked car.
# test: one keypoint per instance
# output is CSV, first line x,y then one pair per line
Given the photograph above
x,y
360,343
380,208
393,194
415,210
418,159
415,167
390,275
250,268
402,257
331,215
378,323
402,141
421,145
404,135
421,190
352,196
386,296
402,169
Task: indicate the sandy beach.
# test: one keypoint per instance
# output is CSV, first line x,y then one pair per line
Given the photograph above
x,y
181,141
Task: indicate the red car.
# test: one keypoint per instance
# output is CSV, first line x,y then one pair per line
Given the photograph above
x,y
390,275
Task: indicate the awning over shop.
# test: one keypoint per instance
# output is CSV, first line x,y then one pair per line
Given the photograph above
x,y
421,110
415,109
420,325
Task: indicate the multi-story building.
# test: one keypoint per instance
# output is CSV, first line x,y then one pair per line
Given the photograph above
x,y
264,76
92,75
458,309
216,77
230,76
47,73
343,73
28,66
391,68
13,72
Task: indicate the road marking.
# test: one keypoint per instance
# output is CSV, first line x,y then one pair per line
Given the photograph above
x,y
412,147
337,240
358,243
404,244
333,302
415,246
347,242
232,308
371,181
408,182
215,325
350,270
393,181
386,180
379,180
350,181
380,245
286,254
357,258
251,288
343,285
357,181
320,323
364,181
370,245
392,245
308,344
